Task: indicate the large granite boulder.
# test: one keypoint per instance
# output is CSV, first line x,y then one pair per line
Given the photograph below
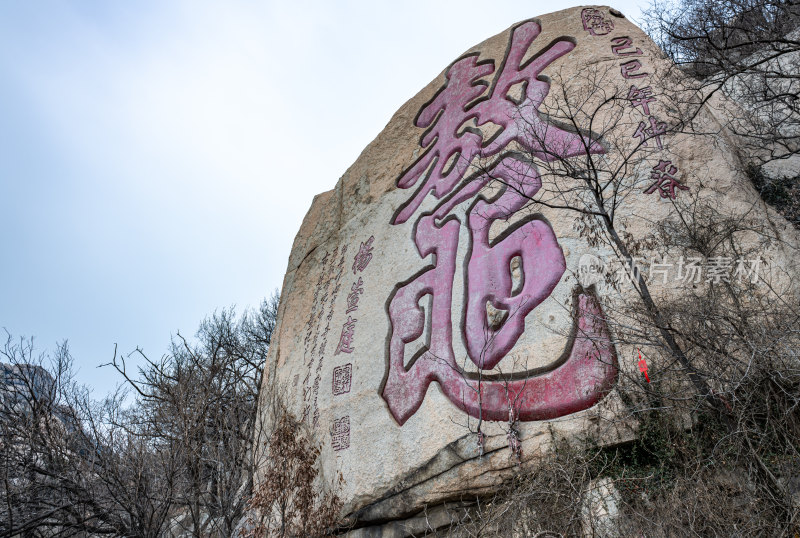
x,y
437,327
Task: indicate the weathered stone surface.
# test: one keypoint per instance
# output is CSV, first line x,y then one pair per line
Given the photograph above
x,y
415,280
600,510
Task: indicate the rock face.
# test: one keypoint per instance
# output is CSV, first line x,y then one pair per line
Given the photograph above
x,y
428,298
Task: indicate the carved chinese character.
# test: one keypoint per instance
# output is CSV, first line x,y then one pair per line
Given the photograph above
x,y
630,69
346,339
340,433
641,97
654,131
352,297
590,368
342,376
595,23
488,278
449,150
665,183
619,44
363,256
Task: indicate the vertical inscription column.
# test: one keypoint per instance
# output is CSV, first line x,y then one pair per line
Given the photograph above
x,y
651,129
343,373
324,343
312,331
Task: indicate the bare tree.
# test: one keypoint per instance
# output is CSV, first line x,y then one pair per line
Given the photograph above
x,y
748,50
293,496
200,401
725,354
177,457
71,465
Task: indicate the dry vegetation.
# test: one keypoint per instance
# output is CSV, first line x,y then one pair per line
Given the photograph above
x,y
717,451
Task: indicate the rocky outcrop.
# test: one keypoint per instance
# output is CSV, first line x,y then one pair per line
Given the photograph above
x,y
437,324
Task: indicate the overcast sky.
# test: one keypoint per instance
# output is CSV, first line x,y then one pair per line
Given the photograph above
x,y
157,157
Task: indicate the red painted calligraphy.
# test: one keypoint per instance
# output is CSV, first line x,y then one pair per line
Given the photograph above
x,y
619,44
457,103
346,339
653,131
664,181
631,69
641,97
590,369
352,298
363,256
595,22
